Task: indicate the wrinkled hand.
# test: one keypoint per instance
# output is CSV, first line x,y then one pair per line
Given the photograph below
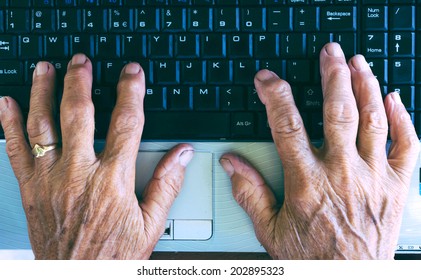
x,y
79,204
344,200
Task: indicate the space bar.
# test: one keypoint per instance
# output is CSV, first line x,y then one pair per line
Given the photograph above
x,y
186,125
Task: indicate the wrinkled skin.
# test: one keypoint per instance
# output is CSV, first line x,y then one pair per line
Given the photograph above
x,y
79,204
344,200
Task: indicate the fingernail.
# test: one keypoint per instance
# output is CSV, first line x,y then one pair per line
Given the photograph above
x,y
185,157
41,68
227,165
334,49
359,63
264,75
132,68
396,97
79,59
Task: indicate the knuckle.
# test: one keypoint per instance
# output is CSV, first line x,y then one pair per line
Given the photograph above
x,y
337,71
341,113
130,84
15,147
280,87
39,123
287,124
372,122
128,121
75,109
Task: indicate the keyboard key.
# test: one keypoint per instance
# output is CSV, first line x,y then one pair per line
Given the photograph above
x,y
244,71
379,68
226,19
8,46
104,98
277,66
160,46
375,18
20,3
239,45
265,45
120,20
181,125
155,99
111,2
243,124
82,44
11,73
338,18
407,94
316,41
199,19
1,21
252,19
56,46
187,45
69,20
293,45
232,98
110,71
43,20
306,19
402,71
402,18
107,46
43,3
179,98
374,44
213,45
193,72
89,2
402,44
263,128
253,100
133,46
30,46
147,20
166,72
94,20
298,71
311,98
173,19
348,42
219,71
205,99
279,19
17,21
66,3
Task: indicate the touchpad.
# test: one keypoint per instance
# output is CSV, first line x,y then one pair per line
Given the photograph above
x,y
190,217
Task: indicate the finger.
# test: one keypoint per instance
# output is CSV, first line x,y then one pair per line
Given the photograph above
x,y
127,121
285,121
17,147
251,192
41,125
163,188
373,129
77,110
403,153
340,114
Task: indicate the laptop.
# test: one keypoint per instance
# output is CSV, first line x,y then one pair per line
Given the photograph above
x,y
200,57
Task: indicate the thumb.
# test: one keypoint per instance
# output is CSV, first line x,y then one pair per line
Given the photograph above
x,y
163,188
251,193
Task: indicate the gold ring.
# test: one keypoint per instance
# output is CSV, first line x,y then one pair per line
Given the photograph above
x,y
40,150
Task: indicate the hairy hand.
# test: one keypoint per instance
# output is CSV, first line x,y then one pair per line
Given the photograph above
x,y
344,200
79,204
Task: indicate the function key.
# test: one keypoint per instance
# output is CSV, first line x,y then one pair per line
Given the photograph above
x,y
111,2
226,2
250,2
180,2
374,1
202,2
4,3
299,2
20,3
43,3
321,2
156,2
402,1
134,3
346,2
66,3
89,2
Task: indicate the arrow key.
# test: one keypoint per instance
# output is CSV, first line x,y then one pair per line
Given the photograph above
x,y
402,44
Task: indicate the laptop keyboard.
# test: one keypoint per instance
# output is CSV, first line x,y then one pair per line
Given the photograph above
x,y
200,56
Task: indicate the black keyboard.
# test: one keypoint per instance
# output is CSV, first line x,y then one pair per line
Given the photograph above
x,y
200,56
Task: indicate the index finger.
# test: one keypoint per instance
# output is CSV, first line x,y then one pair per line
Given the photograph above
x,y
340,113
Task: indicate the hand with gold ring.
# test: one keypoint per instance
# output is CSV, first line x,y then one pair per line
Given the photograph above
x,y
79,204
